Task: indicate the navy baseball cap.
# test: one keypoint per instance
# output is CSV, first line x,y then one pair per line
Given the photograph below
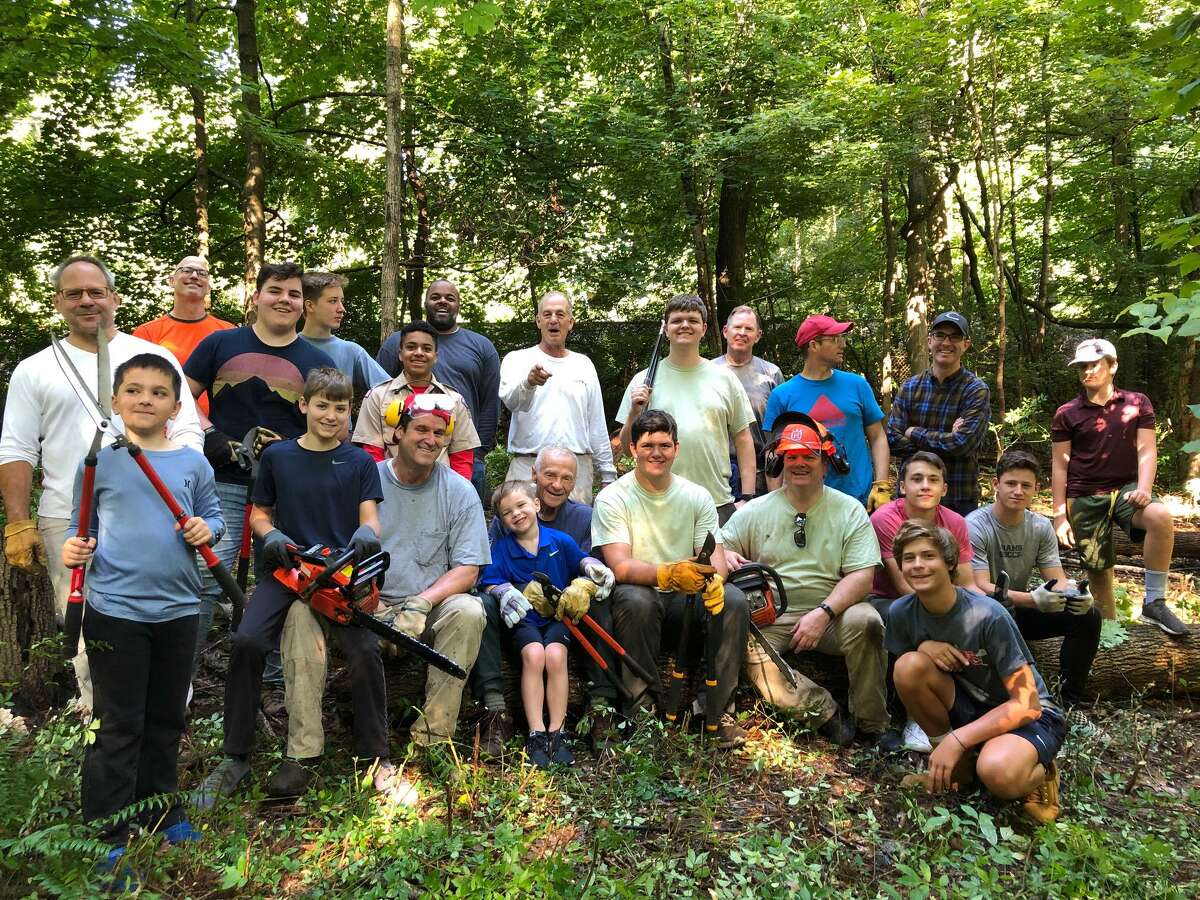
x,y
958,320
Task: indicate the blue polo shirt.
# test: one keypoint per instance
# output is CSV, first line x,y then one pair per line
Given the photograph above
x,y
558,557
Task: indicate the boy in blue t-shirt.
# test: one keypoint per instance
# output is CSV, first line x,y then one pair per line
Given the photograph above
x,y
142,603
526,548
968,679
311,490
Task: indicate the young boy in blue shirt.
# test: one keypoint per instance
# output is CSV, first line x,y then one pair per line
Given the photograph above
x,y
143,601
525,548
314,489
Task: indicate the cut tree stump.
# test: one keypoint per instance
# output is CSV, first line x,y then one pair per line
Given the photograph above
x,y
29,661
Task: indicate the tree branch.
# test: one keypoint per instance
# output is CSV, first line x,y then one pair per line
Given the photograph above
x,y
291,104
357,138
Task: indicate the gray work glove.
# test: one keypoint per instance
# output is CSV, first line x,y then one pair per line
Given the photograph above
x,y
365,542
513,604
601,574
1048,600
275,550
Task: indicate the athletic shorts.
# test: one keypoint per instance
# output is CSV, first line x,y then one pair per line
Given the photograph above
x,y
1092,520
1045,733
554,632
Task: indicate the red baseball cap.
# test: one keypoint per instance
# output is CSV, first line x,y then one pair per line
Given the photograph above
x,y
799,437
819,326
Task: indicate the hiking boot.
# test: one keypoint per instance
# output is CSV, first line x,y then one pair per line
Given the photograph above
x,y
560,750
839,730
1042,805
604,730
730,735
292,778
915,738
124,879
1158,613
391,785
497,731
221,782
181,832
537,748
886,742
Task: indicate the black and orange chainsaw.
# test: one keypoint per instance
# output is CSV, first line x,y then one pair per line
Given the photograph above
x,y
347,593
767,600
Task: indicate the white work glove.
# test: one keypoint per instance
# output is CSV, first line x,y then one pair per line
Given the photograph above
x,y
601,574
1080,604
513,604
1048,600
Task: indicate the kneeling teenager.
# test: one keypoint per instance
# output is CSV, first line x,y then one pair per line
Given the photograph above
x,y
966,676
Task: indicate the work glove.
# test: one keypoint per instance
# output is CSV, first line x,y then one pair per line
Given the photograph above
x,y
513,604
687,576
714,595
263,438
275,553
1048,600
365,542
411,617
1080,600
23,546
601,574
881,494
537,597
220,449
576,600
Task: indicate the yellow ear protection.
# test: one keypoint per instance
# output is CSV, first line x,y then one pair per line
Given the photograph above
x,y
831,448
438,404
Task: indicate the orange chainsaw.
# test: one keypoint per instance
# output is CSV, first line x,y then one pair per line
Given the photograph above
x,y
347,593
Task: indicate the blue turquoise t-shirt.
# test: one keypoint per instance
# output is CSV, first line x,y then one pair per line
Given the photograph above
x,y
845,404
558,557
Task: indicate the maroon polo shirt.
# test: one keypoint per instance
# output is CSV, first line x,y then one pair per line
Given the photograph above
x,y
1103,440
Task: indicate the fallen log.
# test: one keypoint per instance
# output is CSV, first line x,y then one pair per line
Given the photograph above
x,y
1187,545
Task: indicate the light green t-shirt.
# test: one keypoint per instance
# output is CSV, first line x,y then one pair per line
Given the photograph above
x,y
839,535
710,406
659,528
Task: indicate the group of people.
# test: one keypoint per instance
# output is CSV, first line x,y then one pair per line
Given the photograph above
x,y
253,427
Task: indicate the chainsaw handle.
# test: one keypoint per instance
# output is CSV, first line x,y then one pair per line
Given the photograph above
x,y
343,559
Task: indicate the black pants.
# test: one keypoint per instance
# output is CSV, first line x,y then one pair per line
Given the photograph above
x,y
1081,639
648,621
258,634
140,677
485,675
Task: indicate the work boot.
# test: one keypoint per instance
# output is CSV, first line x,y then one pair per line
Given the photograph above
x,y
730,735
603,732
292,778
537,748
839,730
886,742
497,731
1042,804
181,832
221,781
560,750
391,785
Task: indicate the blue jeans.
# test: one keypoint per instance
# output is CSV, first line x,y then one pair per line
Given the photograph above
x,y
479,480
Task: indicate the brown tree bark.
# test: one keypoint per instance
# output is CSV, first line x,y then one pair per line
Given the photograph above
x,y
414,272
887,385
393,202
30,657
918,272
199,152
733,218
254,227
1043,286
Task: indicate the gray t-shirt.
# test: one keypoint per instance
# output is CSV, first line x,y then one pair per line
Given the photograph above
x,y
1021,551
352,361
759,378
429,529
979,627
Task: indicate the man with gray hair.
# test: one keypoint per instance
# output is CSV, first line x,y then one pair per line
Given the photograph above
x,y
554,396
553,479
49,423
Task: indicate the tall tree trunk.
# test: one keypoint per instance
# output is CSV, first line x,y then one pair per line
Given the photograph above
x,y
27,621
887,386
941,257
972,258
414,275
1043,286
732,221
199,152
919,275
393,212
254,227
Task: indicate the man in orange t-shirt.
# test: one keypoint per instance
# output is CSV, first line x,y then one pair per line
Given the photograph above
x,y
188,322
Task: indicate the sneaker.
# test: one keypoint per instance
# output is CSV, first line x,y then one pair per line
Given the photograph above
x,y
221,782
886,742
181,832
537,748
604,730
915,738
839,730
560,750
497,731
1158,613
391,785
1042,805
292,778
124,879
730,735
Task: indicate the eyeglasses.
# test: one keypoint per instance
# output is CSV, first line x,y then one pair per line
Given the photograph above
x,y
946,337
74,295
191,270
799,535
838,340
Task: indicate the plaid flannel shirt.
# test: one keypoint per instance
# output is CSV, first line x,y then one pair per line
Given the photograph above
x,y
930,407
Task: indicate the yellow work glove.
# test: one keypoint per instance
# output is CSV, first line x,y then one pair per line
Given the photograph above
x,y
687,576
714,595
23,546
881,494
576,600
537,598
411,617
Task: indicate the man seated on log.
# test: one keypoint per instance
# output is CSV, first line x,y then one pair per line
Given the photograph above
x,y
1104,460
966,676
554,471
648,526
1007,537
821,543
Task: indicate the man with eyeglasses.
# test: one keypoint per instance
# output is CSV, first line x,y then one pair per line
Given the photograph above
x,y
945,409
554,396
844,403
48,423
189,321
821,543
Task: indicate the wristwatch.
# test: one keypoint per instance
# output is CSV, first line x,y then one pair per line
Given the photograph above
x,y
828,610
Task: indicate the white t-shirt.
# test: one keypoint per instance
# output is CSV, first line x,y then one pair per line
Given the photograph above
x,y
46,421
659,528
709,406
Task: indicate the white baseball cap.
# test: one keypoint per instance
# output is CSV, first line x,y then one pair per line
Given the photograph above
x,y
1093,349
